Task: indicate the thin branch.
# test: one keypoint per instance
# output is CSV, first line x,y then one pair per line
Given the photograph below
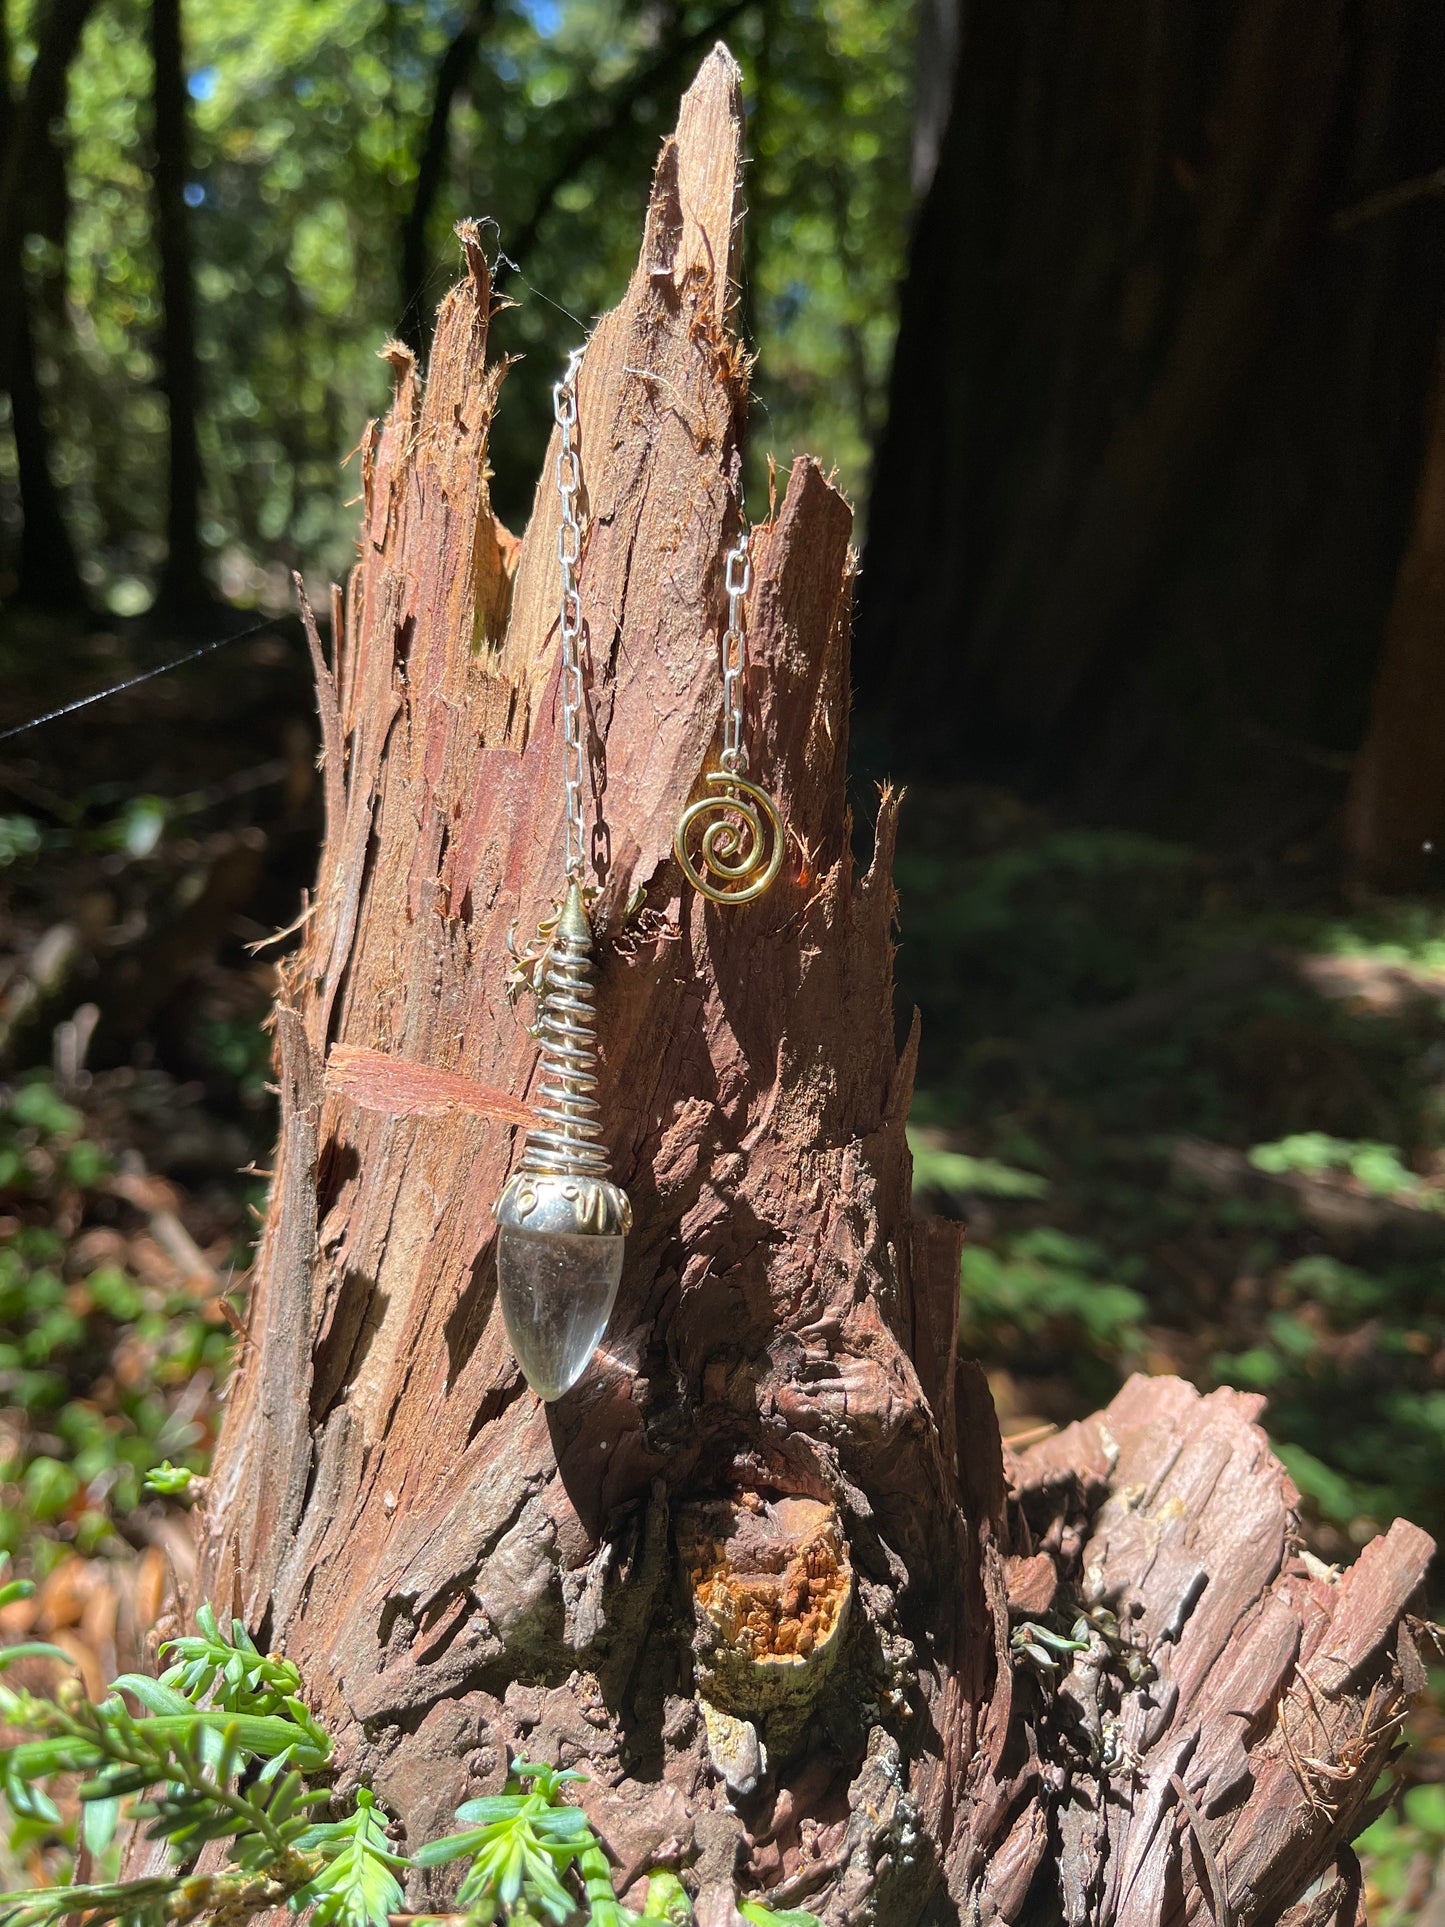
x,y
1388,199
614,115
1219,1890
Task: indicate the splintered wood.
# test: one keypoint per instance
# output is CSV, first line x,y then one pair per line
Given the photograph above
x,y
752,1576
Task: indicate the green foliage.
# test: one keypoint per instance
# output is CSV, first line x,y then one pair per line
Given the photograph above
x,y
19,838
309,118
1374,1167
1044,1287
210,1664
221,1750
225,1748
93,1365
762,1916
1403,1843
666,1899
529,1852
521,1844
168,1481
357,1887
1401,932
1091,999
935,1169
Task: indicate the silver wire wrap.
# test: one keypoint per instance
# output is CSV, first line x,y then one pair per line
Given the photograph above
x,y
567,1142
569,551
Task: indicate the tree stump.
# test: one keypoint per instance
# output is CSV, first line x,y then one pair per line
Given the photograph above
x,y
755,1575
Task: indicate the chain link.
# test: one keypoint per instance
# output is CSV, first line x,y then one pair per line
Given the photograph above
x,y
569,550
739,579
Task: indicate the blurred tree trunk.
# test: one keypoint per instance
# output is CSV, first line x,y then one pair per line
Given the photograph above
x,y
1395,821
48,576
57,39
183,592
1155,410
457,65
756,1577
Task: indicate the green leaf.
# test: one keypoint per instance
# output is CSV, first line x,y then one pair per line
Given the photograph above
x,y
762,1916
167,1480
357,1887
667,1899
453,1846
33,1649
152,1694
98,1822
136,1903
491,1808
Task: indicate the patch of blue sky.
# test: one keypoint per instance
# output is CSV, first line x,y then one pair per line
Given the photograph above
x,y
545,15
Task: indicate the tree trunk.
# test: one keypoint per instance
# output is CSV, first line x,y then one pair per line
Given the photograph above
x,y
57,40
453,73
1395,817
754,1575
49,575
1156,407
183,592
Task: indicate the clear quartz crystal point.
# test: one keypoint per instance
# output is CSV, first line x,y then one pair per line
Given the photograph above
x,y
562,1223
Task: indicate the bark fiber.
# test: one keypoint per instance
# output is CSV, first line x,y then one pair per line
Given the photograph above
x,y
463,1573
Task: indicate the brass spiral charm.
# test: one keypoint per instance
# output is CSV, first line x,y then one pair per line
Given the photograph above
x,y
740,850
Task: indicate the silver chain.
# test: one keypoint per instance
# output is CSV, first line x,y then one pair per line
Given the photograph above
x,y
734,758
569,550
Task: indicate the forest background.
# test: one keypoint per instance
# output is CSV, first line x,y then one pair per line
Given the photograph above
x,y
1120,324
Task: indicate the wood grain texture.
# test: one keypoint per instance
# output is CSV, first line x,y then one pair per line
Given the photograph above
x,y
463,1574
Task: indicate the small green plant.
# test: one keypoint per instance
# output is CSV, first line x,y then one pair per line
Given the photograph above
x,y
935,1169
357,1885
167,1481
225,1748
529,1852
1376,1168
762,1916
94,1361
19,837
1396,1846
1046,1285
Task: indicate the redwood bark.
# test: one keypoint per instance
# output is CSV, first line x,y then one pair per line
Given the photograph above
x,y
1155,416
1395,816
777,1412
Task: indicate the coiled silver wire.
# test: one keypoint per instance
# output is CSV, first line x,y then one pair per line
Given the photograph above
x,y
568,1141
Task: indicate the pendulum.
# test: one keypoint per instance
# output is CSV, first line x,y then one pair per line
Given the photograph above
x,y
738,831
561,1221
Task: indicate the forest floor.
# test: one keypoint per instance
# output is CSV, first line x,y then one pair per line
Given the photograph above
x,y
1191,1108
